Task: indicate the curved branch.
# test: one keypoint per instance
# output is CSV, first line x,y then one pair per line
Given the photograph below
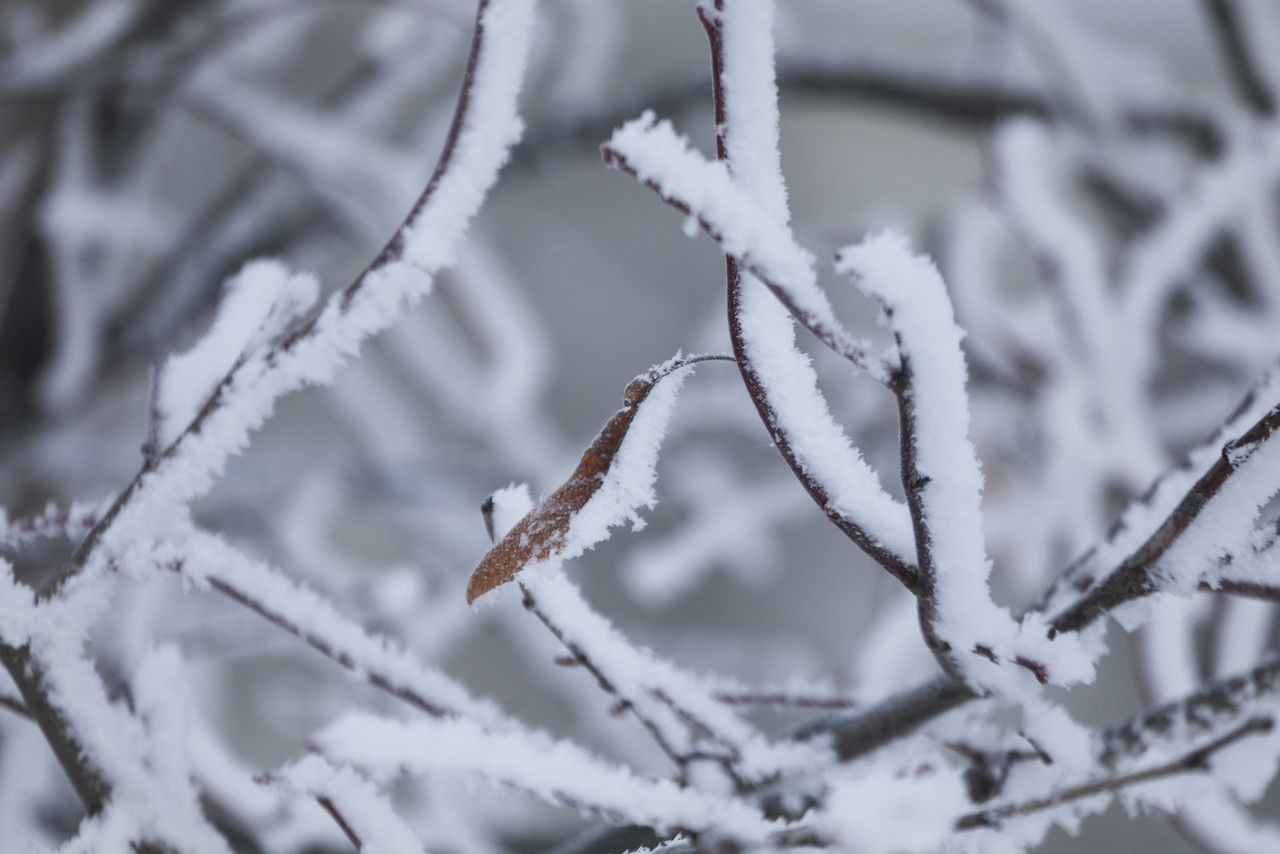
x,y
890,542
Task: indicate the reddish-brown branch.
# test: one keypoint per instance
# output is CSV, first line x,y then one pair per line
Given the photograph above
x,y
1132,579
379,680
894,563
60,523
329,807
794,699
913,482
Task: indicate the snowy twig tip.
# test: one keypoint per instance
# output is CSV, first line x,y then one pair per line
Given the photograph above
x,y
258,304
883,266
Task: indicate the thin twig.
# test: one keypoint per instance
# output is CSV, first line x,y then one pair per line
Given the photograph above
x,y
1195,714
1195,761
581,657
384,681
343,824
794,699
1248,589
88,780
56,521
913,483
27,672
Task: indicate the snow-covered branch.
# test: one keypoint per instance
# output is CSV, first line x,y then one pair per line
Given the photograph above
x,y
267,637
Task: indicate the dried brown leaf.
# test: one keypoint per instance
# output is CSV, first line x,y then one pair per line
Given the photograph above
x,y
541,534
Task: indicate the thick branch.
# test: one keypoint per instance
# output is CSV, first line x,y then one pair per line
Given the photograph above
x,y
91,786
1247,589
857,734
792,699
1197,714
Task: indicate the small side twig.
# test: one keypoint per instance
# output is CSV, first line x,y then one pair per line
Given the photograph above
x,y
1195,761
793,699
580,657
1248,589
327,804
15,705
